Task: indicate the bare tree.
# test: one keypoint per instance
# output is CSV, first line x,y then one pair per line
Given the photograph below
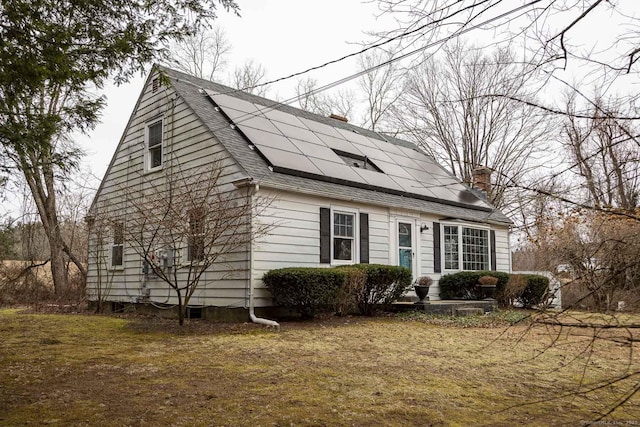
x,y
382,87
605,152
320,103
203,54
248,78
553,31
100,228
447,108
185,225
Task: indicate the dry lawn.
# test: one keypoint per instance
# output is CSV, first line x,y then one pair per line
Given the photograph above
x,y
78,370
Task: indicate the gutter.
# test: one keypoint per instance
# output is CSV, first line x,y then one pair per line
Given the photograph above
x,y
253,188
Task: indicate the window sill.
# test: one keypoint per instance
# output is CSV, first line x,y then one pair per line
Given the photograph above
x,y
150,171
343,262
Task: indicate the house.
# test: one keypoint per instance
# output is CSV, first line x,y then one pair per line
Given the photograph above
x,y
339,194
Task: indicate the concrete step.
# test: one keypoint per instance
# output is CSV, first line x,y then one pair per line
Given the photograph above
x,y
468,311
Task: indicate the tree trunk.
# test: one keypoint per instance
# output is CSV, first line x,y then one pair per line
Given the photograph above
x,y
182,308
58,265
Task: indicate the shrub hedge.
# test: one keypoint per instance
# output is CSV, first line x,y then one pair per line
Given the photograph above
x,y
307,291
384,284
536,290
310,291
527,289
464,285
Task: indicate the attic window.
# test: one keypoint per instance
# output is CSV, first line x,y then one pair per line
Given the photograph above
x,y
357,161
156,84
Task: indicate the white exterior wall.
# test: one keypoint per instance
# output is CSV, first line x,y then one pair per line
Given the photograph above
x,y
187,145
295,239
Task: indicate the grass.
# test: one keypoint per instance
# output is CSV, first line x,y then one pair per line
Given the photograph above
x,y
79,370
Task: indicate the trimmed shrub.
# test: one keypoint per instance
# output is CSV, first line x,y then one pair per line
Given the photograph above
x,y
307,291
513,290
384,285
536,290
526,289
354,283
464,285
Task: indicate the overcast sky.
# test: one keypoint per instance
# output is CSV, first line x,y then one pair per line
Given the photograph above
x,y
285,36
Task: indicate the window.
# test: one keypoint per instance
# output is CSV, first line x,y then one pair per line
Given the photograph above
x,y
154,145
475,249
343,236
451,261
117,248
474,253
195,249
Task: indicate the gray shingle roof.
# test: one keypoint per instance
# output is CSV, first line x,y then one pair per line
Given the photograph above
x,y
191,89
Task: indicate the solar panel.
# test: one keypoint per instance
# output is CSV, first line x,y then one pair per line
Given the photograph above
x,y
260,123
375,153
378,179
226,101
394,170
298,133
356,138
386,146
314,150
289,160
318,127
261,138
337,170
339,144
282,117
299,145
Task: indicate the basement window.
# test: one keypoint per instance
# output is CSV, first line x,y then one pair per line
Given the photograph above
x,y
194,313
357,161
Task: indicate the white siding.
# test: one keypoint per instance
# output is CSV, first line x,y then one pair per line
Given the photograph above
x,y
187,145
295,238
503,250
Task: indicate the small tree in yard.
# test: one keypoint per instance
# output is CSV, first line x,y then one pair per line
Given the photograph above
x,y
184,225
102,230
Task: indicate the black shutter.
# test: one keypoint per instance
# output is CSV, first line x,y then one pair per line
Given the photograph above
x,y
437,260
492,245
325,235
364,238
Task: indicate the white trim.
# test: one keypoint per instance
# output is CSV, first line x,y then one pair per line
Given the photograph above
x,y
147,157
356,234
460,225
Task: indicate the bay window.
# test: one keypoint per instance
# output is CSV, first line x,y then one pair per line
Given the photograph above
x,y
466,247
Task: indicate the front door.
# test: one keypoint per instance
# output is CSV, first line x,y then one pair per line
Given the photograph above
x,y
405,245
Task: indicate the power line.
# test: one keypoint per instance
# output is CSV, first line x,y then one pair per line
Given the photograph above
x,y
343,80
398,37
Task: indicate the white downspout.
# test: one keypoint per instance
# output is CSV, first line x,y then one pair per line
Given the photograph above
x,y
253,188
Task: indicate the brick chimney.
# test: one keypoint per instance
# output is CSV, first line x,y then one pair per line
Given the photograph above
x,y
482,180
337,117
